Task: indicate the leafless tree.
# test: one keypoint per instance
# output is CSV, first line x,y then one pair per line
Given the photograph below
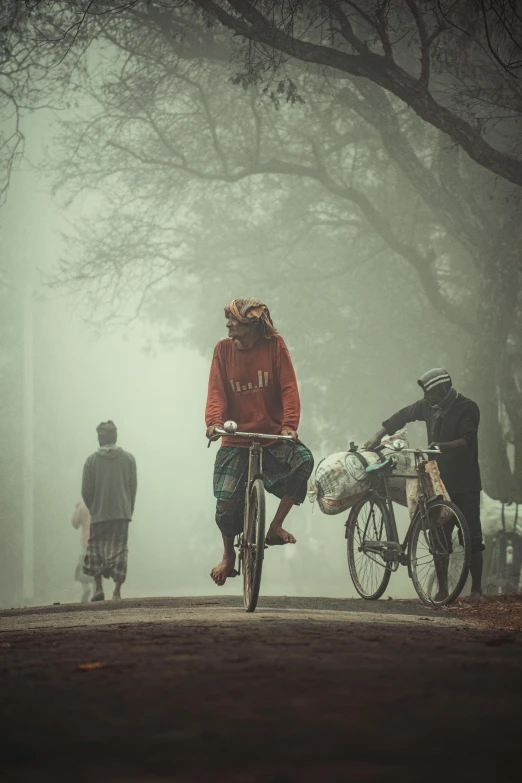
x,y
170,121
442,59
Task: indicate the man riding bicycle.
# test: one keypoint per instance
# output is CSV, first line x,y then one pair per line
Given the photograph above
x,y
452,422
252,382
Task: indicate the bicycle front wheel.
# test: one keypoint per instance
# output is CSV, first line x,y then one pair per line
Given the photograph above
x,y
366,526
254,546
439,553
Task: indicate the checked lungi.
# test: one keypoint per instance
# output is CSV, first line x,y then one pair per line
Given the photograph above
x,y
107,550
287,466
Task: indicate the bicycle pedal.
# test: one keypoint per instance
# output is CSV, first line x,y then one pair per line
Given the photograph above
x,y
233,573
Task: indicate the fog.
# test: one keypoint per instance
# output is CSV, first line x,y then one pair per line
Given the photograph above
x,y
156,395
78,347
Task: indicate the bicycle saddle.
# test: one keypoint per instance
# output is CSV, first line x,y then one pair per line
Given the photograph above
x,y
380,466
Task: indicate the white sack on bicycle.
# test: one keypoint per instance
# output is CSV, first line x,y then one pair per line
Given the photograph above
x,y
405,492
404,463
341,480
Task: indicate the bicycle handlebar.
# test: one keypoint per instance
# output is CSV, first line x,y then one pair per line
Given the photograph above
x,y
438,452
220,431
383,446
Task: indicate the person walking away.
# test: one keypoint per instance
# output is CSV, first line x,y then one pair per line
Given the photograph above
x,y
109,491
252,382
452,422
82,520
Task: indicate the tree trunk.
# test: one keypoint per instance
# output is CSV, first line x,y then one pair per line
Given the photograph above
x,y
485,367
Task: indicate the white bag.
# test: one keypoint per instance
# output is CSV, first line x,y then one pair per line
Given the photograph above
x,y
341,480
404,463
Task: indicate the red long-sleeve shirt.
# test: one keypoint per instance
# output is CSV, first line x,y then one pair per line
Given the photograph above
x,y
256,388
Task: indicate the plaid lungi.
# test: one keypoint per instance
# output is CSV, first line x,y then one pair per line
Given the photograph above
x,y
107,550
287,466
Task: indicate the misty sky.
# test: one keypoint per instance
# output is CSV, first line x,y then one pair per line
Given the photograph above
x,y
157,400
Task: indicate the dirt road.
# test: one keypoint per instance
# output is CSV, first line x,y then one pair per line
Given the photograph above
x,y
304,690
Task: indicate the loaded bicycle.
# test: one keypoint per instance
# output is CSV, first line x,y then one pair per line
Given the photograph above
x,y
503,565
435,550
250,543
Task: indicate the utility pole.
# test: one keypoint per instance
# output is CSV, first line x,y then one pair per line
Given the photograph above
x,y
28,443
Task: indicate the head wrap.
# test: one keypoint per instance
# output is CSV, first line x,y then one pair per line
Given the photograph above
x,y
251,311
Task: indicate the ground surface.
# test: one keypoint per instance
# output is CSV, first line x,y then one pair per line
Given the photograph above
x,y
303,690
502,612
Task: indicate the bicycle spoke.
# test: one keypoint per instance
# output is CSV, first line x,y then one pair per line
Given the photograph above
x,y
368,569
438,555
253,546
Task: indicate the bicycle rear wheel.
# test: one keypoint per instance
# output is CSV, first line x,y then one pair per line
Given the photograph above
x,y
254,546
439,553
366,525
494,573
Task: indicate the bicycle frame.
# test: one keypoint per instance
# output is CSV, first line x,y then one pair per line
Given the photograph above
x,y
501,574
392,551
503,516
255,471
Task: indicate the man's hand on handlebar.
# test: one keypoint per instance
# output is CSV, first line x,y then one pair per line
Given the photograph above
x,y
372,444
215,431
452,445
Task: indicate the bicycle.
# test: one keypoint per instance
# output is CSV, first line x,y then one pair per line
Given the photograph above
x,y
436,548
251,542
505,559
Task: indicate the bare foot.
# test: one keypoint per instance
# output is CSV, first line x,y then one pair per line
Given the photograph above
x,y
279,532
440,596
220,573
116,596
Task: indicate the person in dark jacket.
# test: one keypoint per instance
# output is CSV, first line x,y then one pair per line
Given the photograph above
x,y
452,422
109,491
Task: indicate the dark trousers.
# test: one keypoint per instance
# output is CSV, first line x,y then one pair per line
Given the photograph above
x,y
469,504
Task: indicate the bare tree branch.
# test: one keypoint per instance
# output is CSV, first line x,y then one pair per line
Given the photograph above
x,y
424,77
244,19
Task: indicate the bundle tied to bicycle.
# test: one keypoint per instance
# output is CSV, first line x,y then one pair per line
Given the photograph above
x,y
342,480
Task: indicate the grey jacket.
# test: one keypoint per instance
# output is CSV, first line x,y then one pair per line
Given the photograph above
x,y
109,484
